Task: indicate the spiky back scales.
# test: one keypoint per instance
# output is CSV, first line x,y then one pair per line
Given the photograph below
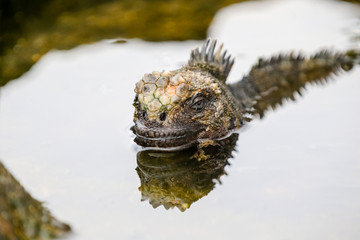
x,y
217,62
273,80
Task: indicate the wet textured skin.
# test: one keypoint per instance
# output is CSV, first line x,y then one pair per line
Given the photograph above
x,y
193,104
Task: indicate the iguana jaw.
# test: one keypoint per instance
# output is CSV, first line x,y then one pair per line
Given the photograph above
x,y
167,138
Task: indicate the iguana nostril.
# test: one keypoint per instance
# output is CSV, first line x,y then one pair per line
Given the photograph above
x,y
162,116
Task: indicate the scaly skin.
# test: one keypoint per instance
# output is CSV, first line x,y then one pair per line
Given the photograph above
x,y
175,109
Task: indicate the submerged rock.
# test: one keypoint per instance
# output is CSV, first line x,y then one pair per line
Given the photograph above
x,y
21,216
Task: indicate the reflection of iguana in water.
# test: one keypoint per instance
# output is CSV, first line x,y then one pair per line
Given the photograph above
x,y
178,179
178,108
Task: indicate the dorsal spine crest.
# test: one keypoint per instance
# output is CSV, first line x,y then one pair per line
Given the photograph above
x,y
215,61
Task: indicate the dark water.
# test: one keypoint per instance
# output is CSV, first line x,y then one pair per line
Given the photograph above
x,y
64,133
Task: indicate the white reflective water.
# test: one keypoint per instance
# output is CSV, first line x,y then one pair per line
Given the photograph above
x,y
64,133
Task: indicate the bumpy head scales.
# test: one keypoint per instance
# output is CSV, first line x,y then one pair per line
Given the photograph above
x,y
158,92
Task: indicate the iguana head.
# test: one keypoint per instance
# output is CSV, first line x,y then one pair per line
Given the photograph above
x,y
177,108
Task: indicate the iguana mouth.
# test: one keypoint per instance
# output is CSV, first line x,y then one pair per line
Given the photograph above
x,y
169,138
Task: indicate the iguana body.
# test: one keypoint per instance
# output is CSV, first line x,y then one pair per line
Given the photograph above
x,y
175,109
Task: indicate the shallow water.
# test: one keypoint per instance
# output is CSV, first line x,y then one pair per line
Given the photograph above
x,y
64,133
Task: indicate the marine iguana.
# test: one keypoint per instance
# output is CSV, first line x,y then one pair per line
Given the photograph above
x,y
193,104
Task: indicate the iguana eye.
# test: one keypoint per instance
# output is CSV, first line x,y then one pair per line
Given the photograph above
x,y
198,103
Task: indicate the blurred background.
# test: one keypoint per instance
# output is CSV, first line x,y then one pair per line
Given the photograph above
x,y
30,29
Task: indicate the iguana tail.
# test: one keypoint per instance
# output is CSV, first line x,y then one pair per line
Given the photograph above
x,y
273,80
